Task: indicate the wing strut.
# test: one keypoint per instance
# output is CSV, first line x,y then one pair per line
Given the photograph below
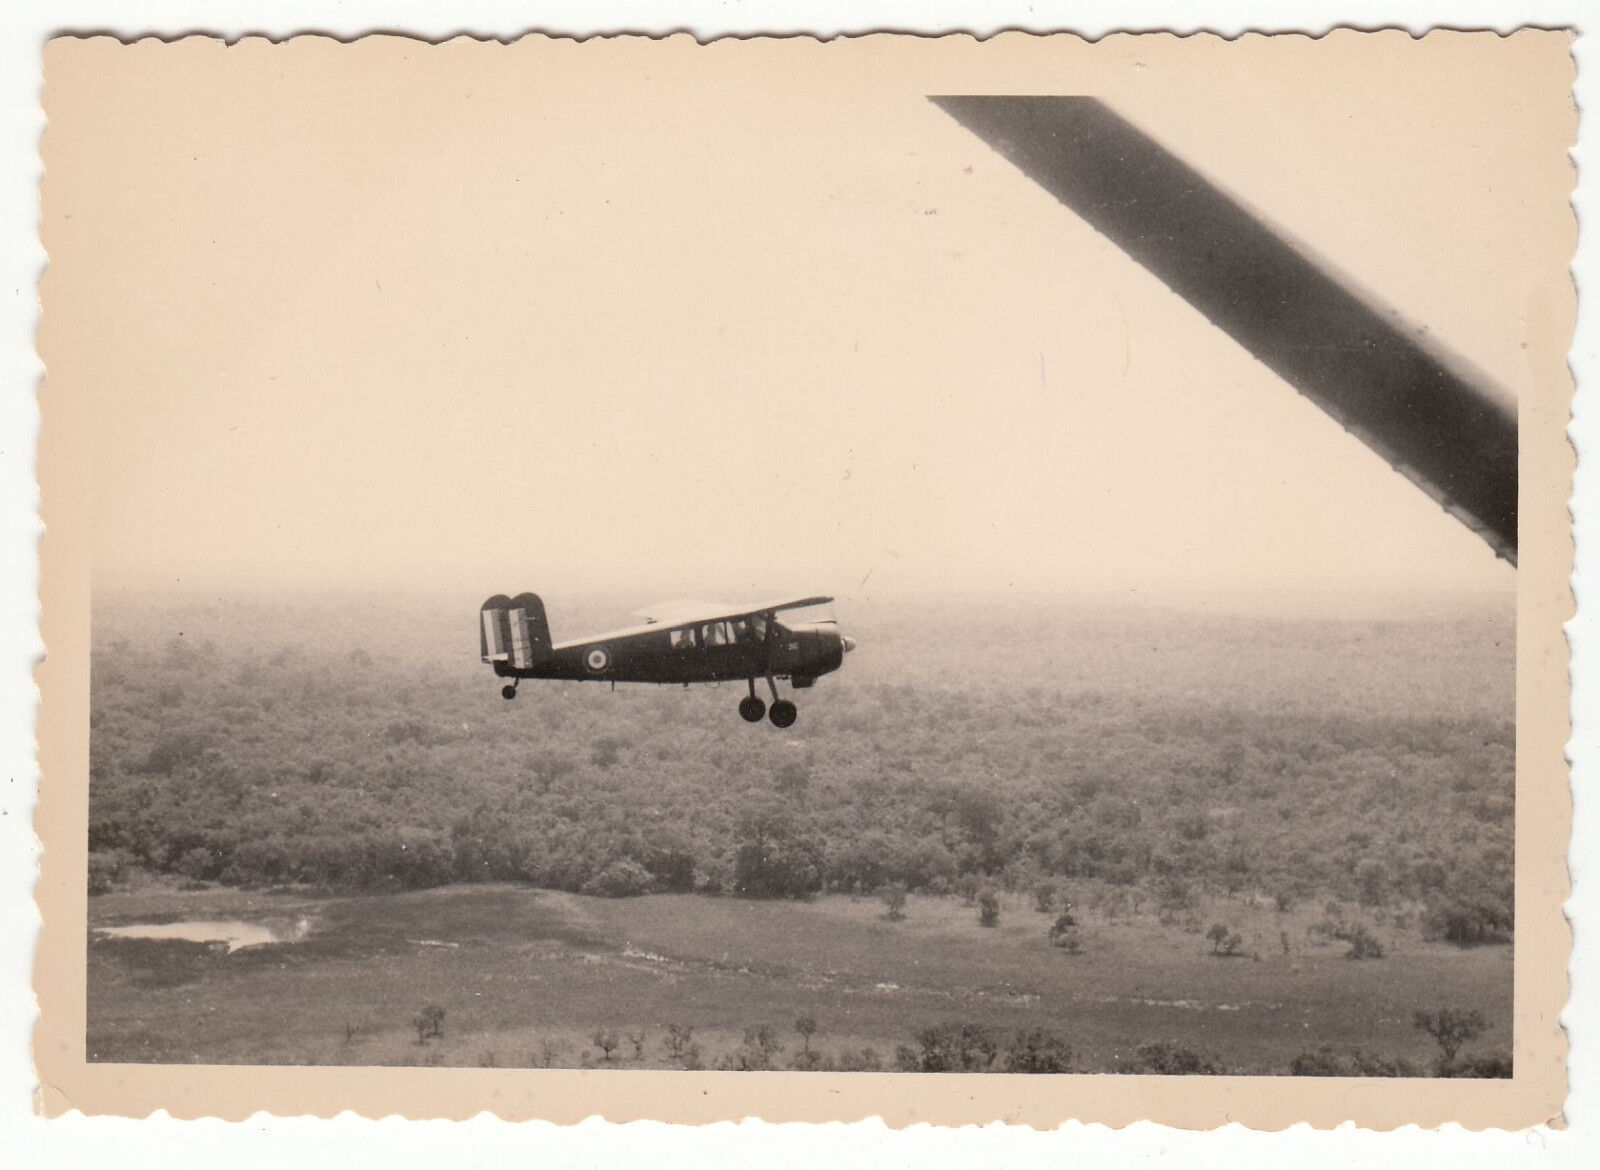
x,y
1437,422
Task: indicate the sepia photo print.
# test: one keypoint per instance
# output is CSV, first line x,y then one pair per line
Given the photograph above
x,y
865,559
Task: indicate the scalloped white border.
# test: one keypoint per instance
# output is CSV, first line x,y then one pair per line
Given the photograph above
x,y
158,1141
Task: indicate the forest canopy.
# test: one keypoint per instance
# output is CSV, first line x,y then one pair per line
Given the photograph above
x,y
358,744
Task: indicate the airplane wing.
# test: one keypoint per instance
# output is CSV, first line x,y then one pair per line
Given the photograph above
x,y
1442,425
680,613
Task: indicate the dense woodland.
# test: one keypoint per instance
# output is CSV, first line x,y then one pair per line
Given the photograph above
x,y
1153,753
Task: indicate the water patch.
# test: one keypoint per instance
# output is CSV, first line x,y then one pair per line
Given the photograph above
x,y
235,933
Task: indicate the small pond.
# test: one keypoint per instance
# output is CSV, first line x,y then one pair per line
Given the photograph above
x,y
235,932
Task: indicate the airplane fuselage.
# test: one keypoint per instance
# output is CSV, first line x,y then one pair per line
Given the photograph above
x,y
656,655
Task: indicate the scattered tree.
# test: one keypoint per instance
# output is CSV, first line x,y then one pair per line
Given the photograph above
x,y
759,1051
807,1027
606,1042
1450,1029
429,1024
894,900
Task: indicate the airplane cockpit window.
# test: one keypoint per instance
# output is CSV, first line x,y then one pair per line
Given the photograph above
x,y
741,631
758,627
683,639
714,634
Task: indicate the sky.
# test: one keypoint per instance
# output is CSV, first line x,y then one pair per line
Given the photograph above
x,y
733,322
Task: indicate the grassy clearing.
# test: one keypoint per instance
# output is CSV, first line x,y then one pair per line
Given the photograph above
x,y
526,977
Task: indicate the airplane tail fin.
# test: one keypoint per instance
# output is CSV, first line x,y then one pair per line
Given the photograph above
x,y
513,631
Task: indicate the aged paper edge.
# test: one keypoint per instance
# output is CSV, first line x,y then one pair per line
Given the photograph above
x,y
1534,1095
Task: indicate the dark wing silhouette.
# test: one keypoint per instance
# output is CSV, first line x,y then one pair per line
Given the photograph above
x,y
1435,420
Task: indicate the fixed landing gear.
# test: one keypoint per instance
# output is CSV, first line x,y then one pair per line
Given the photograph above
x,y
509,691
782,713
752,709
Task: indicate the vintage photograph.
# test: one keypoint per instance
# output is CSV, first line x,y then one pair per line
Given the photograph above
x,y
872,558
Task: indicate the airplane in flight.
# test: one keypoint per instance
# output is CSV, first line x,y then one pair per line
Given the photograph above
x,y
679,642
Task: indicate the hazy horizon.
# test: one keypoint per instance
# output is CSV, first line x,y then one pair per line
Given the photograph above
x,y
1355,604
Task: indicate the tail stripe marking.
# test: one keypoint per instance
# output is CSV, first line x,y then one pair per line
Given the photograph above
x,y
493,636
521,651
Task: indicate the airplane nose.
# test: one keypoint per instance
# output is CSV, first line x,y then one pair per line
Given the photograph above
x,y
848,643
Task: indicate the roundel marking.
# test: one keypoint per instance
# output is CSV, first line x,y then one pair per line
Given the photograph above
x,y
597,659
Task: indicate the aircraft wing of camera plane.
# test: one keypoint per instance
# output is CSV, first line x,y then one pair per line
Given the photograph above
x,y
680,642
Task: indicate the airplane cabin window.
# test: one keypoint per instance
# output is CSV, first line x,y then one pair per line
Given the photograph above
x,y
682,639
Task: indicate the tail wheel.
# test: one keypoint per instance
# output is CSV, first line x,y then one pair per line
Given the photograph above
x,y
752,709
784,713
508,692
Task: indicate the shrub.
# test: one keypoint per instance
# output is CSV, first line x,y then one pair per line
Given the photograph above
x,y
623,878
199,863
429,1024
862,1060
107,867
1467,922
1064,933
1224,942
988,908
1165,1058
1326,1062
1038,1051
953,1047
680,1043
1488,1065
894,901
1044,897
1362,943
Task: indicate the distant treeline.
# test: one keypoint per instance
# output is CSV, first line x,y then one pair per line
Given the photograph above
x,y
245,760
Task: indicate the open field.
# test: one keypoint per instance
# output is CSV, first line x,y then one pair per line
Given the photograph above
x,y
582,860
526,977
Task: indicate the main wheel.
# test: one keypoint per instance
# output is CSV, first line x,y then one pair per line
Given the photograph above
x,y
508,692
752,709
784,713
